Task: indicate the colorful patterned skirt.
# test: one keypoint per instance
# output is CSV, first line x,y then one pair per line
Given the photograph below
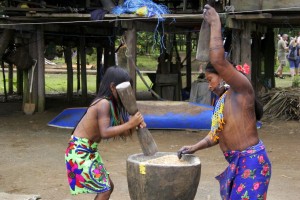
x,y
248,175
85,169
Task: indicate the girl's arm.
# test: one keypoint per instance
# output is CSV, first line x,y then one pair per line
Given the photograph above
x,y
106,131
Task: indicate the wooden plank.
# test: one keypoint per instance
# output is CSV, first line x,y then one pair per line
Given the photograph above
x,y
256,5
252,16
167,78
246,5
280,4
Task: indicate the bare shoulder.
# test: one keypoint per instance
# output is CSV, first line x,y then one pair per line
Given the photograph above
x,y
101,106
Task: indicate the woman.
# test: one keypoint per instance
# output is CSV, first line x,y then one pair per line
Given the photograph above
x,y
234,124
105,118
293,57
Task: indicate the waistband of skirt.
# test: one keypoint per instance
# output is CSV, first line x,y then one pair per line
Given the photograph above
x,y
247,152
83,143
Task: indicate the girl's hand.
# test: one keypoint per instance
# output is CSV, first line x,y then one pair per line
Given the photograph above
x,y
137,120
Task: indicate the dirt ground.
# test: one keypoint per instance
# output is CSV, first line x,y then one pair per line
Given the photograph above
x,y
32,156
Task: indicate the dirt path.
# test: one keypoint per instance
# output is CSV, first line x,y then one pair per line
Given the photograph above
x,y
32,157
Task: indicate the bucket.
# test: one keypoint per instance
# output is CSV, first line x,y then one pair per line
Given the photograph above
x,y
151,180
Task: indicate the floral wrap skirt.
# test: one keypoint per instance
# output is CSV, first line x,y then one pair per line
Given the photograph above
x,y
85,169
248,175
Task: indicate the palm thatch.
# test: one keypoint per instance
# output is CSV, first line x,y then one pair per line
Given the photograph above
x,y
283,103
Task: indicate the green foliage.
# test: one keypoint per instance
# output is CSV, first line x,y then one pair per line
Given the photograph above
x,y
296,81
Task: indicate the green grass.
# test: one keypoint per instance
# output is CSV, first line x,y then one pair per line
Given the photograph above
x,y
57,83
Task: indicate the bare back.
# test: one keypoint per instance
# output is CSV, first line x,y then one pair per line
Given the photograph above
x,y
88,127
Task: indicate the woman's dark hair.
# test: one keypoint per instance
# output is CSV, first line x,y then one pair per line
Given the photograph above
x,y
258,106
113,74
210,68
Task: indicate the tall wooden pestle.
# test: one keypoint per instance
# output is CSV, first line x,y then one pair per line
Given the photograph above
x,y
127,97
204,39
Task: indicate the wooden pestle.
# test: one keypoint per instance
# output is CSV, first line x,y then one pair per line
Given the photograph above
x,y
128,100
204,39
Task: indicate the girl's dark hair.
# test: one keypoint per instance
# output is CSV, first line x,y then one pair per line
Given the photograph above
x,y
258,106
113,74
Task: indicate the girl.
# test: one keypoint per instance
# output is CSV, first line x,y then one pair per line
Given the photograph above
x,y
105,118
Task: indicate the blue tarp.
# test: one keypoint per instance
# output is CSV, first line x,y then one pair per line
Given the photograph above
x,y
68,118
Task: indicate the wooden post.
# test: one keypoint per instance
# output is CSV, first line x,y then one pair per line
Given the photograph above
x,y
236,46
269,54
4,81
68,60
106,58
256,62
25,86
10,79
83,69
99,67
87,3
246,45
112,55
78,68
131,41
19,81
188,60
33,49
40,69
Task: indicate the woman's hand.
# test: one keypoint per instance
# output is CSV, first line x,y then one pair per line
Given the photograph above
x,y
137,120
186,150
210,15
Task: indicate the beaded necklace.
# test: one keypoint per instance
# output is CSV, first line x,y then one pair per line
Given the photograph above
x,y
217,120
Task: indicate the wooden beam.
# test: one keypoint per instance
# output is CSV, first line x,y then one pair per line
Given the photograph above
x,y
251,16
